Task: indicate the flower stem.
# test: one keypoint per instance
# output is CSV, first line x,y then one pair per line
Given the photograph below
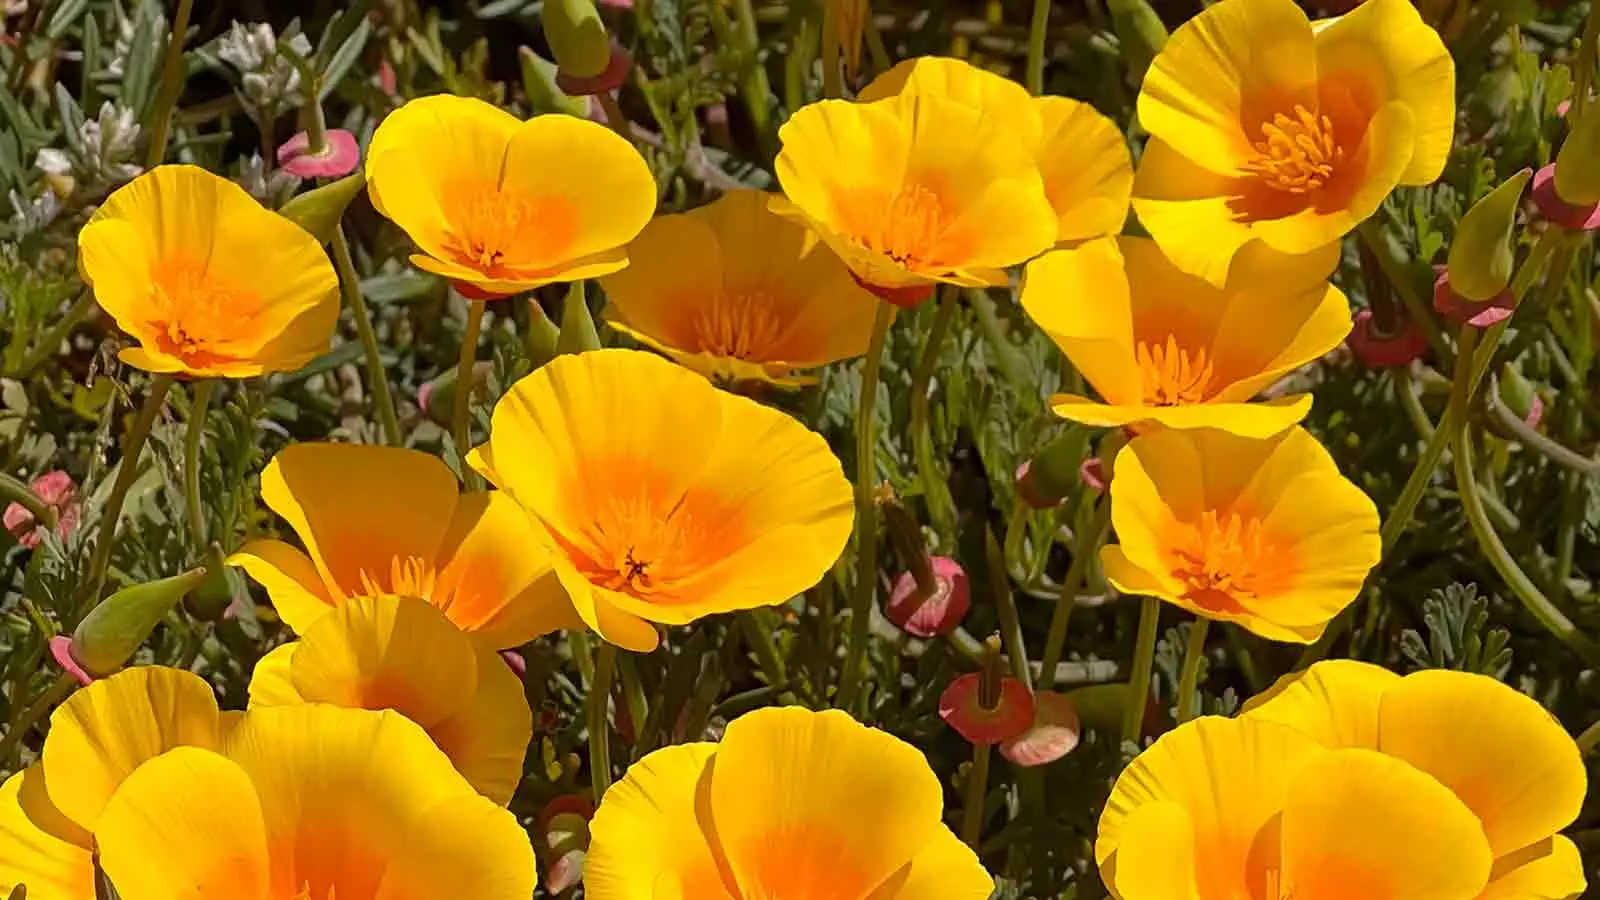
x,y
935,492
167,97
614,116
461,409
1006,605
195,429
1144,657
1037,28
127,471
377,379
1083,551
1189,677
861,598
832,77
55,693
977,791
1587,741
605,667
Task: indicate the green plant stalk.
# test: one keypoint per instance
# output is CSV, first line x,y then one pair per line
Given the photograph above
x,y
167,96
127,471
377,379
1037,29
1083,550
194,431
1583,67
42,704
1530,437
935,492
756,88
1189,677
1144,657
461,410
759,637
832,77
638,705
1587,741
46,348
614,116
977,789
1421,316
1006,606
599,703
866,585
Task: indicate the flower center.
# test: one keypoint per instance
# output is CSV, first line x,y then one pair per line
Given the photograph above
x,y
495,232
1171,375
739,325
409,576
1296,154
194,313
907,228
1226,557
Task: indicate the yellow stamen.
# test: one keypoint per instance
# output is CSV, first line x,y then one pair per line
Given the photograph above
x,y
489,230
908,227
195,312
739,325
408,577
1225,557
1173,376
1296,154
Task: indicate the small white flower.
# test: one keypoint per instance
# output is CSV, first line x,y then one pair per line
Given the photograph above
x,y
53,162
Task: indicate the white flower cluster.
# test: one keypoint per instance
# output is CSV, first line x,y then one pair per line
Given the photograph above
x,y
100,154
269,82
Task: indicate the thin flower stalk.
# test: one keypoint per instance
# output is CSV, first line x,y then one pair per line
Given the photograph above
x,y
866,510
1194,654
127,471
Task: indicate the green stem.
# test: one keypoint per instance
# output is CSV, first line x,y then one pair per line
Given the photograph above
x,y
866,585
1144,656
1530,437
832,76
1583,67
377,379
1083,550
976,794
195,429
167,96
461,409
1587,741
599,703
1006,606
756,87
935,491
1189,677
51,343
1037,29
127,471
55,693
614,116
638,705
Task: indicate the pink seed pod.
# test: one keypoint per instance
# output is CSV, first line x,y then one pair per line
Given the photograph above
x,y
962,708
928,616
1379,351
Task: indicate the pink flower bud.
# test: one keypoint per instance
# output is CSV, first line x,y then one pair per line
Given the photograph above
x,y
57,490
928,616
1478,314
962,708
61,650
1054,732
1552,207
340,156
1378,350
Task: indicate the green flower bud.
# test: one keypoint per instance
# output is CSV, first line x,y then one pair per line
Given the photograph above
x,y
108,636
1578,163
1052,473
577,325
1140,31
1519,395
319,211
577,37
1481,258
539,82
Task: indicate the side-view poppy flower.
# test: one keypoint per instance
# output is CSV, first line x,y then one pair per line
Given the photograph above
x,y
737,292
661,498
1082,156
1264,533
1168,348
791,804
401,653
498,205
209,282
1246,808
381,521
1274,136
1497,749
915,190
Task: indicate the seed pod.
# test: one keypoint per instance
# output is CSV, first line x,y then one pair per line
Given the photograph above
x,y
108,636
1481,258
577,37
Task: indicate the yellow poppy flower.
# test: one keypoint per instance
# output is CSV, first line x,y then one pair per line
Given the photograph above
x,y
1262,532
382,520
401,653
1081,154
1507,759
1246,808
1164,347
1275,136
311,802
791,804
498,205
208,281
735,292
915,190
663,498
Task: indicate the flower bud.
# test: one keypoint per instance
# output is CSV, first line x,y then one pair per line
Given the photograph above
x,y
1046,479
577,324
539,83
1578,161
1578,217
320,211
1448,302
1520,396
1140,33
577,37
108,636
1377,349
1054,732
928,615
1481,256
56,498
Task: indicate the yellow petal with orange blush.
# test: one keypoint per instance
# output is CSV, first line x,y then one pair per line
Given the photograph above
x,y
1086,167
961,81
1236,62
55,865
1080,298
1186,209
187,826
495,571
1252,420
1381,51
290,578
488,736
648,839
1508,759
1268,332
1425,844
105,731
944,869
1155,856
462,847
1551,869
272,679
1335,701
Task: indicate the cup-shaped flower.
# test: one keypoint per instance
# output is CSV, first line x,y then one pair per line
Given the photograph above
x,y
1274,136
663,499
739,293
1082,156
401,653
1497,749
498,205
1264,533
791,804
1225,808
381,521
311,801
209,282
1164,347
914,190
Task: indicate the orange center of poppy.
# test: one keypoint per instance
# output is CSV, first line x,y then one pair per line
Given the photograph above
x,y
907,228
409,577
1171,375
195,315
1296,153
739,325
495,232
1227,556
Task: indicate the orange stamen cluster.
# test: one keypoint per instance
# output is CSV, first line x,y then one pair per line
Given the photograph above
x,y
1297,154
907,228
1224,557
1172,375
192,310
740,325
491,230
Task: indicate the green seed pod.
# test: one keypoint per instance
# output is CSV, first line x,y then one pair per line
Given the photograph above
x,y
539,83
1052,474
577,37
108,636
577,325
1578,163
1481,257
1141,33
319,211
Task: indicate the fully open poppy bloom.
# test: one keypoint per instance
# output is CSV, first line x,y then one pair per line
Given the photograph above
x,y
401,653
662,498
1082,157
498,205
792,804
381,521
1228,808
734,291
1273,136
209,282
1164,347
1507,759
914,190
1264,533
